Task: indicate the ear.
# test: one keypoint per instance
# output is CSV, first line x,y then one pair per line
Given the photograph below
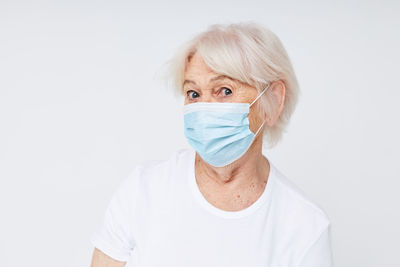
x,y
277,93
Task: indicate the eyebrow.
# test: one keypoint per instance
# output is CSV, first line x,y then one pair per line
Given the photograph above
x,y
217,78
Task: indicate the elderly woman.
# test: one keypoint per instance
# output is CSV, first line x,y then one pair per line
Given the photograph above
x,y
221,202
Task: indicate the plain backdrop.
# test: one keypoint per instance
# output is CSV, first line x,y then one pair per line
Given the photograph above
x,y
82,102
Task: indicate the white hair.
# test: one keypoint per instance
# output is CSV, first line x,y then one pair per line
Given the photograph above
x,y
249,53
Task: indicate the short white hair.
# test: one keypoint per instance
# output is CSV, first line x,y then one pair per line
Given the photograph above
x,y
249,53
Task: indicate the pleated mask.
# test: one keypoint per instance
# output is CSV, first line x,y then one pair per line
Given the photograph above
x,y
219,132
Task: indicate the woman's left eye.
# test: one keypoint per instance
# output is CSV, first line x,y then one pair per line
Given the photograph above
x,y
226,91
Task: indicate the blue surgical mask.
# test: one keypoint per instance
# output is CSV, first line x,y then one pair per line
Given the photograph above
x,y
219,132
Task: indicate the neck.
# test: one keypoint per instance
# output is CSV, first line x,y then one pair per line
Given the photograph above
x,y
251,168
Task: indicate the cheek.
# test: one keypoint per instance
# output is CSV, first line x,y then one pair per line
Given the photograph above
x,y
255,119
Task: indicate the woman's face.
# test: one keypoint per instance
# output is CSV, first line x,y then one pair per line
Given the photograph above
x,y
201,84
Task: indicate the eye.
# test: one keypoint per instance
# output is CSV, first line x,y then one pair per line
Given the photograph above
x,y
226,91
192,94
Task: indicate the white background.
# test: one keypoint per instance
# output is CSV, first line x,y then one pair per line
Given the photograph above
x,y
82,102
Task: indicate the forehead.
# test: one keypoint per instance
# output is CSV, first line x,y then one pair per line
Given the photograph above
x,y
196,69
196,64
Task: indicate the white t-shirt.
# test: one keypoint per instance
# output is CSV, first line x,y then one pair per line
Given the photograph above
x,y
159,217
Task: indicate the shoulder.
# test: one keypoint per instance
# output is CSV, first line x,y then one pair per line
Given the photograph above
x,y
154,176
295,200
300,219
159,169
297,214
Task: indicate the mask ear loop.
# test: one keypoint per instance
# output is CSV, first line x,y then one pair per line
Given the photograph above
x,y
259,128
259,95
254,102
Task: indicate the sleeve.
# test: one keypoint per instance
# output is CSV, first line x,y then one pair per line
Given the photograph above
x,y
319,254
113,236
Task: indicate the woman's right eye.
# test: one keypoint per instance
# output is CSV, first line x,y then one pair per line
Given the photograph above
x,y
192,94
